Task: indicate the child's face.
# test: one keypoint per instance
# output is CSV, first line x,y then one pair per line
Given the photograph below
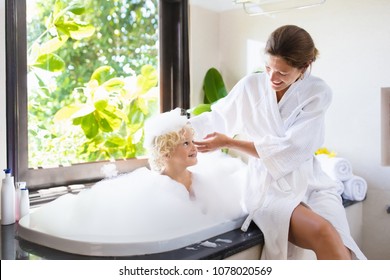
x,y
185,152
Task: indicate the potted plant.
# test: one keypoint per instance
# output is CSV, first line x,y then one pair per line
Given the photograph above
x,y
213,88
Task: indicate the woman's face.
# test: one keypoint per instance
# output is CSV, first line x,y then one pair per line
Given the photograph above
x,y
281,75
185,153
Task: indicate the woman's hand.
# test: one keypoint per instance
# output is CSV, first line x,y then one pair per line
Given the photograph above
x,y
213,142
217,140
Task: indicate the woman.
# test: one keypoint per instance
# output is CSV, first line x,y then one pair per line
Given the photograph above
x,y
281,112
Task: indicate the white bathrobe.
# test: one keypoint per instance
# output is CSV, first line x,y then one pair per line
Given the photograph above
x,y
286,135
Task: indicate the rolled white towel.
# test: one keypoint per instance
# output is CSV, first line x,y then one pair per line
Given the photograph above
x,y
336,167
355,188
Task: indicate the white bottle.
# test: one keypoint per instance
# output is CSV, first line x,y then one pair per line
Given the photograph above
x,y
24,202
18,187
8,199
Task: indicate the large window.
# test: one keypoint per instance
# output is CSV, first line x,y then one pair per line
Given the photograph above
x,y
82,77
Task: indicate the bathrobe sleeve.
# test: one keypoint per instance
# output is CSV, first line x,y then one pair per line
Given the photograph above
x,y
226,116
303,131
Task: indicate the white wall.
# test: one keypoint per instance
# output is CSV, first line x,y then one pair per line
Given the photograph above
x,y
353,37
203,47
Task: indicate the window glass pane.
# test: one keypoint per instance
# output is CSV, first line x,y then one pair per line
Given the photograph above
x,y
92,79
35,65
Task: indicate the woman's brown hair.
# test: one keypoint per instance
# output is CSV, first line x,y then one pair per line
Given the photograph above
x,y
293,44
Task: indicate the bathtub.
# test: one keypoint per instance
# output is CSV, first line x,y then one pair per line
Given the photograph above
x,y
106,246
143,212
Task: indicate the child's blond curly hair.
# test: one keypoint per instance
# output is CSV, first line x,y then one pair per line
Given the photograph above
x,y
164,145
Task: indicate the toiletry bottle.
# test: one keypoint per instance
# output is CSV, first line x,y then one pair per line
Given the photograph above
x,y
18,187
8,199
24,202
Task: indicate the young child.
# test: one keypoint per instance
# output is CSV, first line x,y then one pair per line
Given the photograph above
x,y
169,138
215,181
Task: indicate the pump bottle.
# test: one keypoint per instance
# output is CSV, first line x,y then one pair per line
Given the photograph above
x,y
18,187
8,199
24,202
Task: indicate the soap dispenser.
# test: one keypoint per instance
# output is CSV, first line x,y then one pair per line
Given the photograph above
x,y
8,199
19,186
24,202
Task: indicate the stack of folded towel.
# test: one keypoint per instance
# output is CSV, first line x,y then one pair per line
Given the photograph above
x,y
355,187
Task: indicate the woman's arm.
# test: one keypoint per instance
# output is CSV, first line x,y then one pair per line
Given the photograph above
x,y
217,140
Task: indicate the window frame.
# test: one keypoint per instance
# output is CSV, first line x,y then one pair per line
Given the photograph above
x,y
173,83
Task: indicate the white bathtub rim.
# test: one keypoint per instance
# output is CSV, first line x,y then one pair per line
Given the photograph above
x,y
121,248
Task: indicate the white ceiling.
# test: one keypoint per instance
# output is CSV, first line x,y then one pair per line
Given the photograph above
x,y
216,5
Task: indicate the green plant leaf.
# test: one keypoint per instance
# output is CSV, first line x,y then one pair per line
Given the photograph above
x,y
150,72
76,8
83,111
201,108
53,44
213,86
109,117
33,54
82,31
142,105
77,121
57,12
60,9
136,115
109,110
50,62
62,30
147,79
113,84
66,113
102,74
76,30
115,142
112,118
67,25
153,106
90,126
105,125
101,104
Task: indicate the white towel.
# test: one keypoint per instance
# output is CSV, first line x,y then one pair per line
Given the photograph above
x,y
336,167
355,188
